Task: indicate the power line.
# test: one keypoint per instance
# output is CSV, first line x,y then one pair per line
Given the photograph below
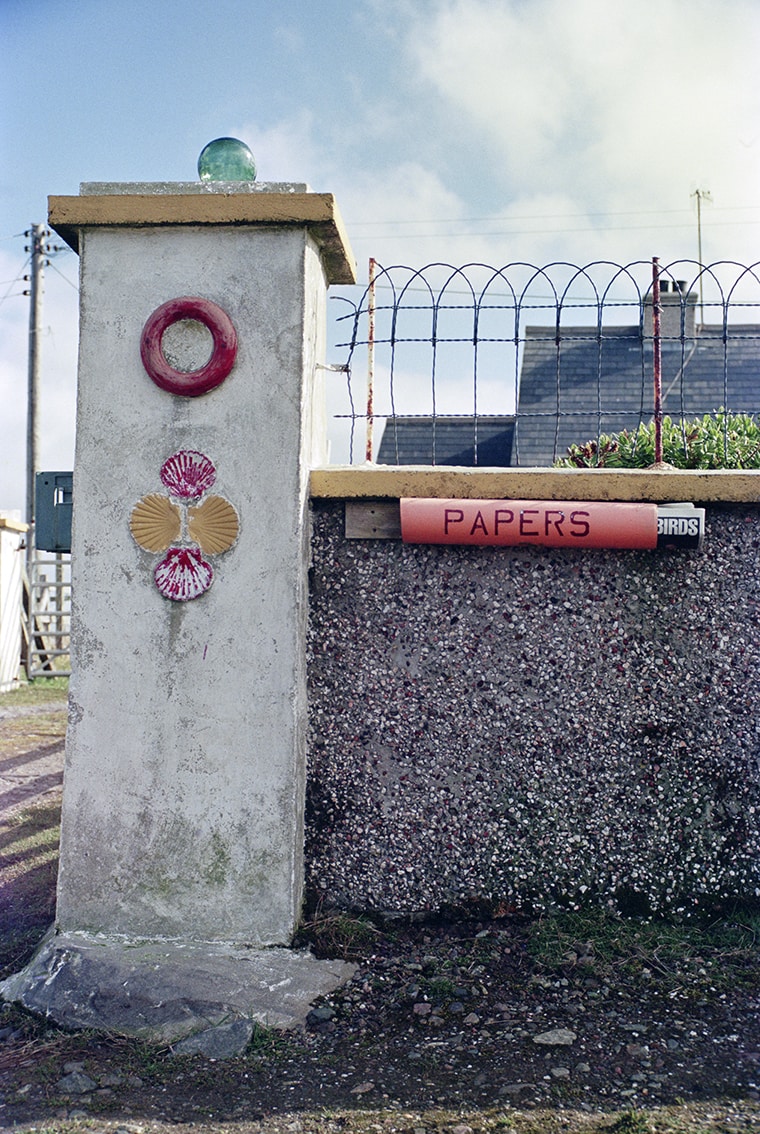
x,y
12,283
553,216
50,264
547,231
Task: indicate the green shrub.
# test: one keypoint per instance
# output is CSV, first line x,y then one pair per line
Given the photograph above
x,y
715,441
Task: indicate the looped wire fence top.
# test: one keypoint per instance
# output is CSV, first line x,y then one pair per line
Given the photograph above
x,y
478,365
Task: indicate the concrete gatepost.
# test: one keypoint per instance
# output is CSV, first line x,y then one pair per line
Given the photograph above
x,y
200,414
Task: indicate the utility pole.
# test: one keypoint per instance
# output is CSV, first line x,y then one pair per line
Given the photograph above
x,y
38,249
701,195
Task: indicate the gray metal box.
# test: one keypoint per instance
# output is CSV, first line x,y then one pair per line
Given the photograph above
x,y
53,495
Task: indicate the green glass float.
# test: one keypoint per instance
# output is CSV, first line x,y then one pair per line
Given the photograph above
x,y
226,159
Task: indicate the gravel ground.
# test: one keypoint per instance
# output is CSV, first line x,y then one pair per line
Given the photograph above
x,y
511,1023
459,1018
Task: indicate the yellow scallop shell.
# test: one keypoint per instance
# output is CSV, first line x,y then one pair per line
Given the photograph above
x,y
155,522
213,524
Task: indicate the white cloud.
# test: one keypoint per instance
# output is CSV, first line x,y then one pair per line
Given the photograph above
x,y
621,106
402,215
285,151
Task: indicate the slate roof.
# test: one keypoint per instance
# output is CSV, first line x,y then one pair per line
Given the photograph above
x,y
603,383
447,441
593,380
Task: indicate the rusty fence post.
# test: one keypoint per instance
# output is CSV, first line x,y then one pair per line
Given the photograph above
x,y
657,351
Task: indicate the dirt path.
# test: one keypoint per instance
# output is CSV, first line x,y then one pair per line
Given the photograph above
x,y
31,755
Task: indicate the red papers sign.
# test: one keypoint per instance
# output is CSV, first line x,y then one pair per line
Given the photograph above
x,y
548,523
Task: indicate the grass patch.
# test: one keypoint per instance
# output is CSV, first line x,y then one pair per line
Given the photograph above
x,y
268,1043
696,1119
28,869
338,935
701,958
631,1122
32,731
439,987
30,835
40,691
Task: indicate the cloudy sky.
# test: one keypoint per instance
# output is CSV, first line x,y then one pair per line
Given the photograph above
x,y
457,130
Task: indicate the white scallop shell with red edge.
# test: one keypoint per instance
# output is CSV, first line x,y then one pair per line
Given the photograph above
x,y
183,574
188,474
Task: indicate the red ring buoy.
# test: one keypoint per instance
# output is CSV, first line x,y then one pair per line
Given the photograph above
x,y
189,384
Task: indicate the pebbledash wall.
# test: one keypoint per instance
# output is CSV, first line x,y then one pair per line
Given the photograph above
x,y
522,728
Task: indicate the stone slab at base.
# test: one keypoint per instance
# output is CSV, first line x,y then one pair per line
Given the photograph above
x,y
196,997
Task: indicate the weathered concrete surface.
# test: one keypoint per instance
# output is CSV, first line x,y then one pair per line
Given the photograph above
x,y
185,765
185,770
201,998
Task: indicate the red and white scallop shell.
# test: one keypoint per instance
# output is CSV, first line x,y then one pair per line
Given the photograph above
x,y
188,474
183,574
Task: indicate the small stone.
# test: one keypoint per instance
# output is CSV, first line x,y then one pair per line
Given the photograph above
x,y
75,1083
560,1072
422,1009
363,1089
320,1015
473,1018
557,1037
221,1042
113,1079
71,1068
514,1088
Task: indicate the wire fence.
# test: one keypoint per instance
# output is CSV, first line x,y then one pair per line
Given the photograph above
x,y
478,365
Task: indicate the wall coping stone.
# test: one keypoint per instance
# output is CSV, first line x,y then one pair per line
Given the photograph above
x,y
318,212
703,486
